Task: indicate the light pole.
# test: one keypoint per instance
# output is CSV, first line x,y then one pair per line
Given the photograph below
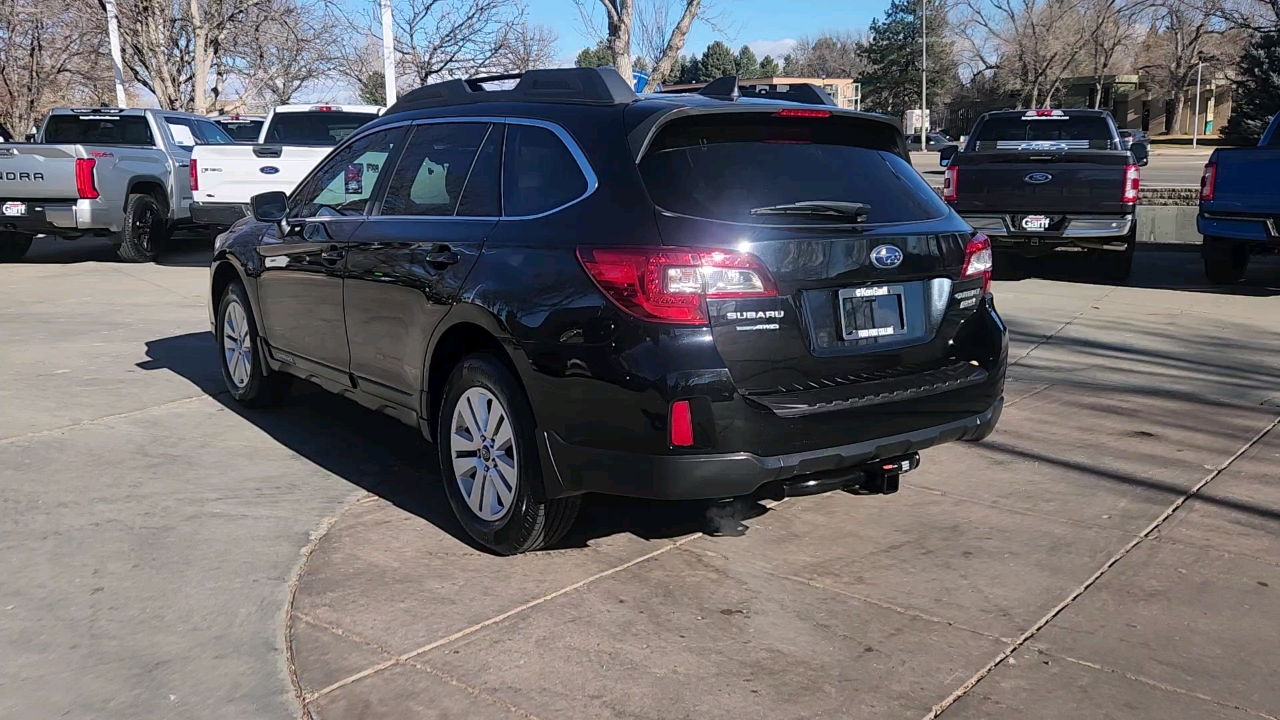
x,y
117,62
1195,130
388,53
924,65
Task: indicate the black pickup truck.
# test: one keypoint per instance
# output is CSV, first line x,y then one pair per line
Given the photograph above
x,y
1049,182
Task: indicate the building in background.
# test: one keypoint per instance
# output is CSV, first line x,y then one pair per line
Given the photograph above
x,y
846,92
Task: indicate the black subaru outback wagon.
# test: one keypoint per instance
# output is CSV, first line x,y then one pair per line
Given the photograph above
x,y
573,289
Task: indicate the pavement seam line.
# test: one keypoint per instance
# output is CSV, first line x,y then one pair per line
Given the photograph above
x,y
499,618
1015,510
1097,575
196,300
1157,684
1061,327
104,418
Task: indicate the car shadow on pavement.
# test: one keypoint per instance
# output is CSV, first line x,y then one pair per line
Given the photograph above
x,y
183,250
1155,268
393,461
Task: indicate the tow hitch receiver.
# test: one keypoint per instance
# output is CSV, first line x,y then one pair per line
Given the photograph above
x,y
883,475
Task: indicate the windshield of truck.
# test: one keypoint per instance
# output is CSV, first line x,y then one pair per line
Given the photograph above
x,y
242,130
314,128
98,130
724,166
1036,132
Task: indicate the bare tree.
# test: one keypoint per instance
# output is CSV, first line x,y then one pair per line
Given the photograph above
x,y
833,54
1182,35
454,37
49,54
1030,44
1110,25
286,47
529,47
658,26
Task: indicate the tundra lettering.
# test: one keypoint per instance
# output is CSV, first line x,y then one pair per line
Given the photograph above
x,y
24,176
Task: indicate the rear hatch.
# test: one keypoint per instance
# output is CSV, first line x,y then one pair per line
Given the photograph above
x,y
1245,181
862,294
1041,163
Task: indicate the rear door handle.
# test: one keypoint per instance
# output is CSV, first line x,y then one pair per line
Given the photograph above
x,y
333,255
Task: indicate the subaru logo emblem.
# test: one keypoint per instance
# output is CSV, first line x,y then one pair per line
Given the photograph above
x,y
1038,178
886,256
268,169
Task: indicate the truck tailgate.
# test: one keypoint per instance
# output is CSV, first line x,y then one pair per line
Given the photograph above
x,y
1246,181
235,173
38,172
1071,181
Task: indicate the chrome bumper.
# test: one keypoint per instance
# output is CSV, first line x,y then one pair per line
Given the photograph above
x,y
1078,226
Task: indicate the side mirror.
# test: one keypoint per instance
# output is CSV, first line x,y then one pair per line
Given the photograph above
x,y
1141,153
269,206
946,154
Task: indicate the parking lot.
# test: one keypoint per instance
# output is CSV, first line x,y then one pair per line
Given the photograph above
x,y
1111,552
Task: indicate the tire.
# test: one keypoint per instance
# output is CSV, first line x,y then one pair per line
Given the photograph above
x,y
1225,261
14,246
1115,266
486,432
145,229
244,370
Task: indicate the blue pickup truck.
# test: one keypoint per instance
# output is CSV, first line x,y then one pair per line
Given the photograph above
x,y
1240,206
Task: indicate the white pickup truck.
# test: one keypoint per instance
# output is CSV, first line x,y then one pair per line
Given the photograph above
x,y
294,139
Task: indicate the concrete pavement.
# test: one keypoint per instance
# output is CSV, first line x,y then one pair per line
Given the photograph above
x,y
1109,552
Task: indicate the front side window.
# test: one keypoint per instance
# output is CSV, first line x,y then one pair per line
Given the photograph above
x,y
345,181
434,168
539,173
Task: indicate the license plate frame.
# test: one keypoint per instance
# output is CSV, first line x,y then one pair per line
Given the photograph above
x,y
14,209
872,312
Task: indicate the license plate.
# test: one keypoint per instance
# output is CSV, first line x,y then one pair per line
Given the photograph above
x,y
871,312
1036,223
15,209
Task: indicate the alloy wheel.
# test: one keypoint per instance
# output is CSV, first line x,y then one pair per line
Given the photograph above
x,y
482,446
143,227
237,347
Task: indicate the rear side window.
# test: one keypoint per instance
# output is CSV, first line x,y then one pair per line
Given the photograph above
x,y
98,130
723,166
433,169
314,128
539,173
1076,132
212,134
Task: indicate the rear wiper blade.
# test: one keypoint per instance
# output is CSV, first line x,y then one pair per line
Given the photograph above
x,y
830,208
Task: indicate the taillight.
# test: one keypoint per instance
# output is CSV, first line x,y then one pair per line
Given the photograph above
x,y
681,424
671,284
1131,179
86,186
1207,181
195,176
978,261
949,183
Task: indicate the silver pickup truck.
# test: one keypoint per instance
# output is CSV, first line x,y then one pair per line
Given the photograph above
x,y
122,174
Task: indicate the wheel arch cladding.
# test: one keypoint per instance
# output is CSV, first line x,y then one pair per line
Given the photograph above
x,y
152,187
455,343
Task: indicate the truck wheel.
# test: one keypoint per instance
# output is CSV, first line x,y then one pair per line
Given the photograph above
x,y
1116,266
1225,261
145,228
244,368
490,464
14,246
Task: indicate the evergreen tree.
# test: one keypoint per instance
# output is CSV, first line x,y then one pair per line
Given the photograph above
x,y
640,63
373,89
769,67
691,70
717,62
598,56
1256,95
891,83
746,63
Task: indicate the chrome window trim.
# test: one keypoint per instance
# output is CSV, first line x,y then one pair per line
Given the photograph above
x,y
584,166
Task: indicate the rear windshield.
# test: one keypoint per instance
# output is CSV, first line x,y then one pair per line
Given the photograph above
x,y
241,130
314,128
1075,132
98,130
722,166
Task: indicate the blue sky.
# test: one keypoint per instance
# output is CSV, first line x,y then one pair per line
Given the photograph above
x,y
766,25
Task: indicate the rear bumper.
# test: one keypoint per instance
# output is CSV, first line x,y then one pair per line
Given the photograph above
x,y
692,477
218,214
1238,227
1078,227
70,218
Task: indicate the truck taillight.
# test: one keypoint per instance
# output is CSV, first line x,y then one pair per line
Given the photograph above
x,y
950,180
86,186
1131,179
978,261
195,176
671,284
1207,180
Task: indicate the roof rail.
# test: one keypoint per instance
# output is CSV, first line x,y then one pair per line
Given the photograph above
x,y
728,88
593,86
